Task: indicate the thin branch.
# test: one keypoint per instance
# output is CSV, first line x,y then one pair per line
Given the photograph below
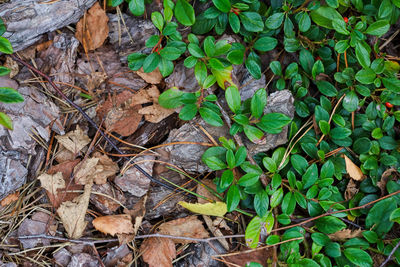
x,y
390,254
78,108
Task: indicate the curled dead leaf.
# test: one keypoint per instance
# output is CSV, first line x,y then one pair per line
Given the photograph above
x,y
345,234
74,141
351,190
52,182
92,29
114,224
353,170
158,252
96,169
385,177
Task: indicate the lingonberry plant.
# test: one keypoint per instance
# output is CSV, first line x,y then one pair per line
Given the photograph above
x,y
7,94
311,196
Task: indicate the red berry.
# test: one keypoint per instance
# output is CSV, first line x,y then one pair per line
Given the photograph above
x,y
346,19
388,105
318,58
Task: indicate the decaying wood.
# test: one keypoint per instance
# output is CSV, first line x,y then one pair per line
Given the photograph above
x,y
26,21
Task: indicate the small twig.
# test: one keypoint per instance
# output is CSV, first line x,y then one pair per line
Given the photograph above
x,y
390,254
70,102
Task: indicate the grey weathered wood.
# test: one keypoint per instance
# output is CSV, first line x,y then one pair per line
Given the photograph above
x,y
26,20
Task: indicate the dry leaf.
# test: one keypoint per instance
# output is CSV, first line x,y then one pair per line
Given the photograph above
x,y
212,209
345,234
189,226
203,191
114,224
385,177
351,190
260,256
113,101
147,95
353,170
63,155
72,213
158,252
123,121
52,182
138,211
9,199
74,141
12,65
153,77
92,29
83,172
155,113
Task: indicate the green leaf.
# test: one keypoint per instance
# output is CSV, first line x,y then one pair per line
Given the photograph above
x,y
276,198
222,5
358,257
184,12
253,230
326,88
200,72
216,64
265,44
340,133
166,67
362,55
340,26
251,21
240,155
226,179
232,198
170,53
253,65
379,216
317,68
232,97
274,21
214,157
324,126
324,16
378,28
248,179
350,101
224,77
299,163
115,3
157,20
258,103
310,176
304,22
195,50
365,76
151,62
136,7
6,121
188,112
10,95
329,224
5,46
135,61
211,117
269,164
261,203
254,134
234,22
392,84
2,27
4,71
171,98
272,121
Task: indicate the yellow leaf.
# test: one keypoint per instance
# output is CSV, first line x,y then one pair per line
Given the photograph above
x,y
224,77
353,170
212,209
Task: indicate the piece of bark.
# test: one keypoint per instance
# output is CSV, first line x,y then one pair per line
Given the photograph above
x,y
27,20
106,205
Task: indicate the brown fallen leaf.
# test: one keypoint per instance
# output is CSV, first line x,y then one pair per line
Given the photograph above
x,y
155,113
351,190
153,77
64,194
63,155
158,252
92,29
74,141
12,65
189,226
52,182
345,234
353,170
72,213
146,95
96,169
246,256
9,199
123,121
385,177
113,101
114,224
